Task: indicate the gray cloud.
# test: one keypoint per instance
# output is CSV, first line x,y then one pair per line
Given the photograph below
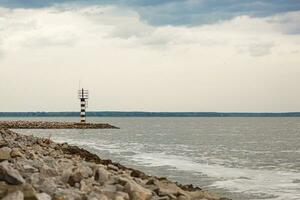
x,y
289,23
180,12
257,49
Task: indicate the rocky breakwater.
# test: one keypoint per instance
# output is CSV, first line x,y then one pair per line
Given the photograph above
x,y
53,125
38,169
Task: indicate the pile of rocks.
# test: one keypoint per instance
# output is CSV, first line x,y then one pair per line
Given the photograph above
x,y
38,169
52,125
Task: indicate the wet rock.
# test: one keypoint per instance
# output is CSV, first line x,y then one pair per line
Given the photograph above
x,y
112,167
9,174
5,153
138,174
17,195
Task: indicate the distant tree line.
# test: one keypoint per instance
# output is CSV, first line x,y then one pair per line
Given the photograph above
x,y
146,114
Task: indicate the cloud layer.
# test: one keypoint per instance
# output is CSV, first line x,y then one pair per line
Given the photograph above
x,y
178,12
242,64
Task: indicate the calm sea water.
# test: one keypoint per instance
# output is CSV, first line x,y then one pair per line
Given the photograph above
x,y
241,158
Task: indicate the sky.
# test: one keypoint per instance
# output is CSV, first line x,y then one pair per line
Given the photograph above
x,y
150,55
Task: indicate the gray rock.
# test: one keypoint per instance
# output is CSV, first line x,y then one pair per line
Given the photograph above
x,y
29,169
17,195
29,192
66,175
46,171
85,171
9,174
101,175
48,186
5,153
67,194
43,196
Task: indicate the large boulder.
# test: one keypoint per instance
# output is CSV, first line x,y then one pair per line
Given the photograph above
x,y
9,174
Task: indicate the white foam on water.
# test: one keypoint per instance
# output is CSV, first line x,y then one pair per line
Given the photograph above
x,y
266,183
261,182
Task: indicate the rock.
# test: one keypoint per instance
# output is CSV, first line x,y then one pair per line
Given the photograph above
x,y
29,169
48,186
9,174
182,197
109,191
5,153
96,196
67,194
138,174
2,142
16,153
137,192
118,198
43,196
101,175
169,188
75,178
29,192
65,176
34,179
85,171
17,195
123,195
46,171
112,167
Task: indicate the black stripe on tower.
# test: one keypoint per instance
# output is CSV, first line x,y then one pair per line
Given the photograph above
x,y
82,115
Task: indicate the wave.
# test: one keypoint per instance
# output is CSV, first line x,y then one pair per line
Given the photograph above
x,y
269,184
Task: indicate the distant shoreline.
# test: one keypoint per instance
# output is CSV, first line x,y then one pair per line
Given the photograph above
x,y
149,114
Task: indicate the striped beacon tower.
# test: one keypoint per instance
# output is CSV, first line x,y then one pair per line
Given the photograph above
x,y
83,96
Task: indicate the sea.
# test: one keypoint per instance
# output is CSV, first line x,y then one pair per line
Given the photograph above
x,y
244,158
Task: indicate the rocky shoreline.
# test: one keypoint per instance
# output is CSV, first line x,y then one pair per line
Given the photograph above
x,y
53,125
34,168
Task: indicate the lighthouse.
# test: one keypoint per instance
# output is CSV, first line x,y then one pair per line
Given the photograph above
x,y
83,95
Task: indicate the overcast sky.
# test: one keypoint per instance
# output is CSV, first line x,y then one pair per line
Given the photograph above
x,y
150,55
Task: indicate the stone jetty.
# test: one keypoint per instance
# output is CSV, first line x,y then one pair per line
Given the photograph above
x,y
34,168
52,125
